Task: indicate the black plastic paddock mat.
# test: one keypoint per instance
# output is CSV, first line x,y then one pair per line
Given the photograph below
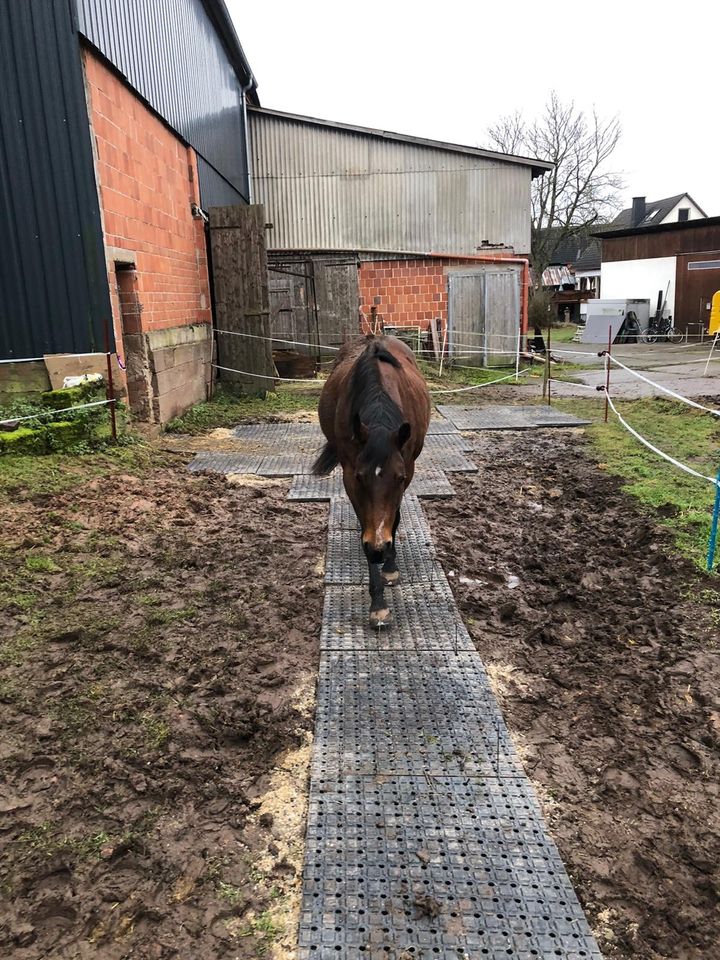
x,y
345,561
407,713
224,462
435,866
508,417
424,618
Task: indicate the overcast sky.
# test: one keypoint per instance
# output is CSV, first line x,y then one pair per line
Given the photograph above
x,y
446,70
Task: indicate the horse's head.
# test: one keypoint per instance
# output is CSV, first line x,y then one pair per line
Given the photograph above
x,y
379,481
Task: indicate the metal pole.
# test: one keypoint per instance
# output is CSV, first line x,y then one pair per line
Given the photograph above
x,y
607,371
110,393
548,366
517,355
714,526
710,354
442,352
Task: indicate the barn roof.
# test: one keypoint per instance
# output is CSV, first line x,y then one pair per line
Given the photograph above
x,y
538,167
682,225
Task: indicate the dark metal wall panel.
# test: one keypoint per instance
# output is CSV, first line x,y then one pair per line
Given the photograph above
x,y
170,52
215,191
53,283
663,243
694,290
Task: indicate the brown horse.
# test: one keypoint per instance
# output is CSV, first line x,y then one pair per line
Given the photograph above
x,y
374,411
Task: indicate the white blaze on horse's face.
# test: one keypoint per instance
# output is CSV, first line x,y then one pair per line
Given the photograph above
x,y
381,490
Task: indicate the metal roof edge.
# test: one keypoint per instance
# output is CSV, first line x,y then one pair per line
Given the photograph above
x,y
538,167
220,16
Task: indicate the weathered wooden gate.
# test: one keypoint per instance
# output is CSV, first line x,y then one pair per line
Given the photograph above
x,y
484,313
314,300
241,294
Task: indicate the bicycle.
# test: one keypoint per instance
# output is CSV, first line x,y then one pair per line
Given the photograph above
x,y
661,328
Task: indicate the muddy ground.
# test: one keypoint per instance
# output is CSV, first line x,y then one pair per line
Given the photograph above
x,y
159,640
159,647
604,652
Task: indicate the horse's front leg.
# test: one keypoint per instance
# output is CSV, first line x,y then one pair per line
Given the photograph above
x,y
379,613
390,572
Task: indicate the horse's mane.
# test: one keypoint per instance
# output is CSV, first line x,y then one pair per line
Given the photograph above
x,y
370,404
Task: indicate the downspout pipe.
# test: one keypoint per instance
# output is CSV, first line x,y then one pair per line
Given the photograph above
x,y
248,158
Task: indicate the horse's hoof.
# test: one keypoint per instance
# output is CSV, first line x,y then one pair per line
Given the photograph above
x,y
391,579
380,619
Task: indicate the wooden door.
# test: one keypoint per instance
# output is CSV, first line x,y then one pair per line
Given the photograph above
x,y
241,297
338,300
483,314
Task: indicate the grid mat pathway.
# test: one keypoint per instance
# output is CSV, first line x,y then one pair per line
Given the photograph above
x,y
424,837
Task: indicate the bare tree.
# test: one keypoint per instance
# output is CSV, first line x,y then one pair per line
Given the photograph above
x,y
579,191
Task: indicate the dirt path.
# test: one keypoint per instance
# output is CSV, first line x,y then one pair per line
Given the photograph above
x,y
603,650
159,649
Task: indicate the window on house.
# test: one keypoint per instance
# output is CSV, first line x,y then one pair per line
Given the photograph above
x,y
683,214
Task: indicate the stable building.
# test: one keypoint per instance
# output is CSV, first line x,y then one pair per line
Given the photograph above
x,y
380,226
680,261
121,124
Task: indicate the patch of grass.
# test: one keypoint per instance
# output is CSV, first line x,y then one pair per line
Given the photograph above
x,y
229,893
156,616
38,564
266,925
28,476
563,334
99,568
77,712
681,503
18,601
265,928
462,376
149,600
227,409
44,840
9,691
14,650
156,730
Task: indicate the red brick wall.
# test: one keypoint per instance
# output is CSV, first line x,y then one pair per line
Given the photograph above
x,y
407,293
147,179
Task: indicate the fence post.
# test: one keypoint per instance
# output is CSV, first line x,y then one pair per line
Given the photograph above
x,y
548,365
110,393
607,371
714,525
442,352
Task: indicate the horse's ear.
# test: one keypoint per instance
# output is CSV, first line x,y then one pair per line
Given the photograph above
x,y
360,431
404,434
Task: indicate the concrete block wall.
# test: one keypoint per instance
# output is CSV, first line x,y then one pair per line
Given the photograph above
x,y
156,251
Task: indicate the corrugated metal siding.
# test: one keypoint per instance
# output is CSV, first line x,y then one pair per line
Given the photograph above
x,y
53,284
169,51
326,189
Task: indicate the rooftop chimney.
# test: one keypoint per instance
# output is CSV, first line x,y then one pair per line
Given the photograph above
x,y
638,210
